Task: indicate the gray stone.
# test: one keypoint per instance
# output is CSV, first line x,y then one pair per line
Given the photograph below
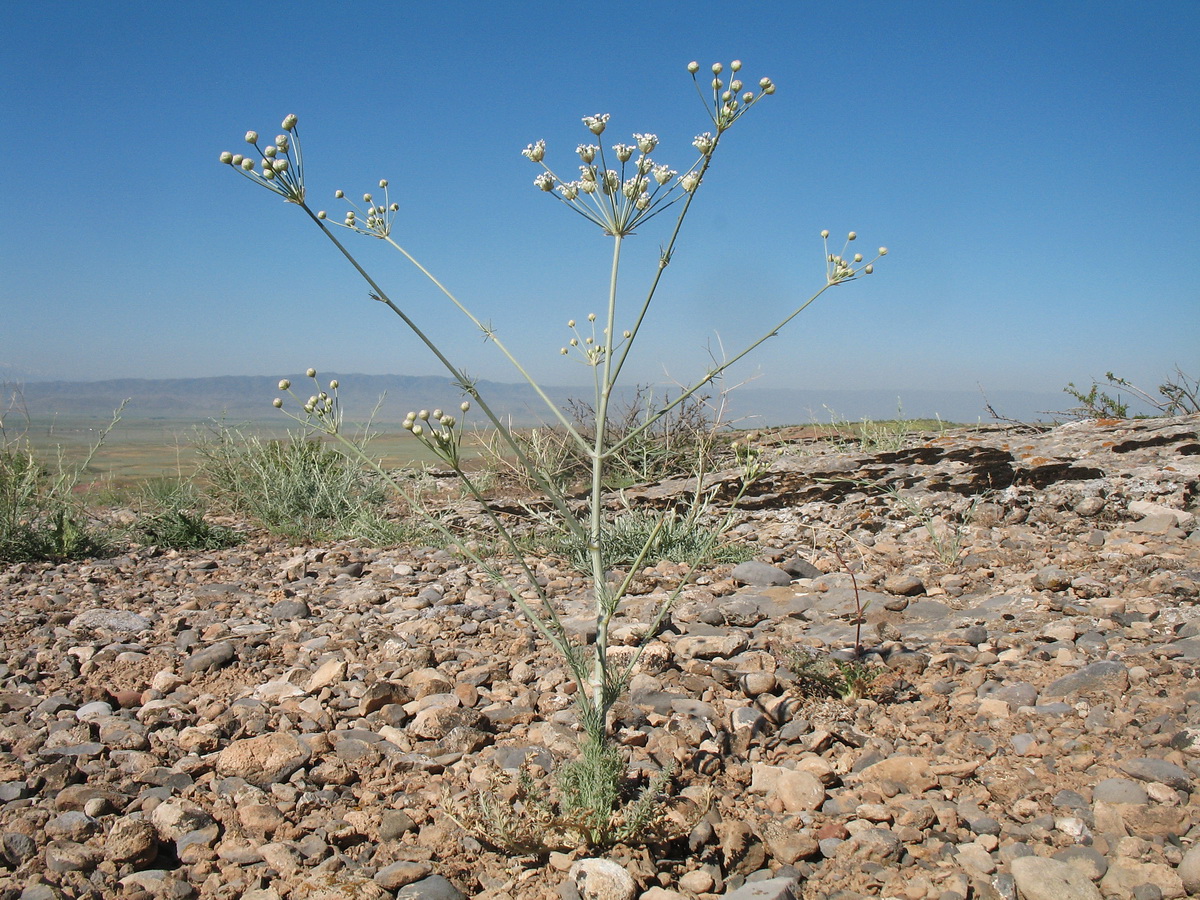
x,y
1189,870
1149,769
400,874
17,847
767,889
214,656
1051,578
1040,878
1108,676
759,574
117,620
1088,860
1119,790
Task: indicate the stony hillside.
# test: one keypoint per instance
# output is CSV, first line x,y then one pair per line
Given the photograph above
x,y
276,722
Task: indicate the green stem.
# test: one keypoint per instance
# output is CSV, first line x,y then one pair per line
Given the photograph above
x,y
604,605
491,334
460,377
715,372
664,259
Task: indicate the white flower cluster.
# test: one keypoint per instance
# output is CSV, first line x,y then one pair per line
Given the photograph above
x,y
376,219
279,167
634,188
842,267
620,197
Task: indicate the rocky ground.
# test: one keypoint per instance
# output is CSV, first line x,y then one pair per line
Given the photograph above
x,y
276,722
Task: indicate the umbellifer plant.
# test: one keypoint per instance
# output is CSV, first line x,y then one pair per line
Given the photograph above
x,y
618,189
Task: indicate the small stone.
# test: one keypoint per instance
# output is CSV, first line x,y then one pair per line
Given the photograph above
x,y
1107,676
117,620
264,760
1119,790
903,585
399,874
602,879
1124,876
759,574
1149,769
215,656
1088,860
1051,578
1189,870
1041,878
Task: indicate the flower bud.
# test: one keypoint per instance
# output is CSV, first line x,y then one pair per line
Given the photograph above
x,y
465,405
747,97
270,151
825,233
277,403
247,164
717,68
383,182
321,214
858,257
366,198
851,236
281,140
596,123
284,384
311,373
423,414
289,122
437,413
868,269
279,165
338,195
227,158
693,67
883,251
333,385
417,430
251,137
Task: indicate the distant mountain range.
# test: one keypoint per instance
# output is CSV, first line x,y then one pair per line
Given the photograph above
x,y
247,398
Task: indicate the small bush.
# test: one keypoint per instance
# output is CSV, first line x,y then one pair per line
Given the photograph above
x,y
683,440
172,515
664,536
824,675
296,486
1178,395
41,518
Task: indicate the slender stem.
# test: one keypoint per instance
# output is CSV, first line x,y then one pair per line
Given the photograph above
x,y
604,606
491,334
663,262
715,372
460,377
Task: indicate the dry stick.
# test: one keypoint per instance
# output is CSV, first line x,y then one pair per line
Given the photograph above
x,y
858,609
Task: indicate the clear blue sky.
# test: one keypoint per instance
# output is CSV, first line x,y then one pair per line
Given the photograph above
x,y
1033,168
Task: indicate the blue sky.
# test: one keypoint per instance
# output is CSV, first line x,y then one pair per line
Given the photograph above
x,y
1031,166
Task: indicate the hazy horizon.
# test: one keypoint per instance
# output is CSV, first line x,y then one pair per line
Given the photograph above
x,y
747,405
